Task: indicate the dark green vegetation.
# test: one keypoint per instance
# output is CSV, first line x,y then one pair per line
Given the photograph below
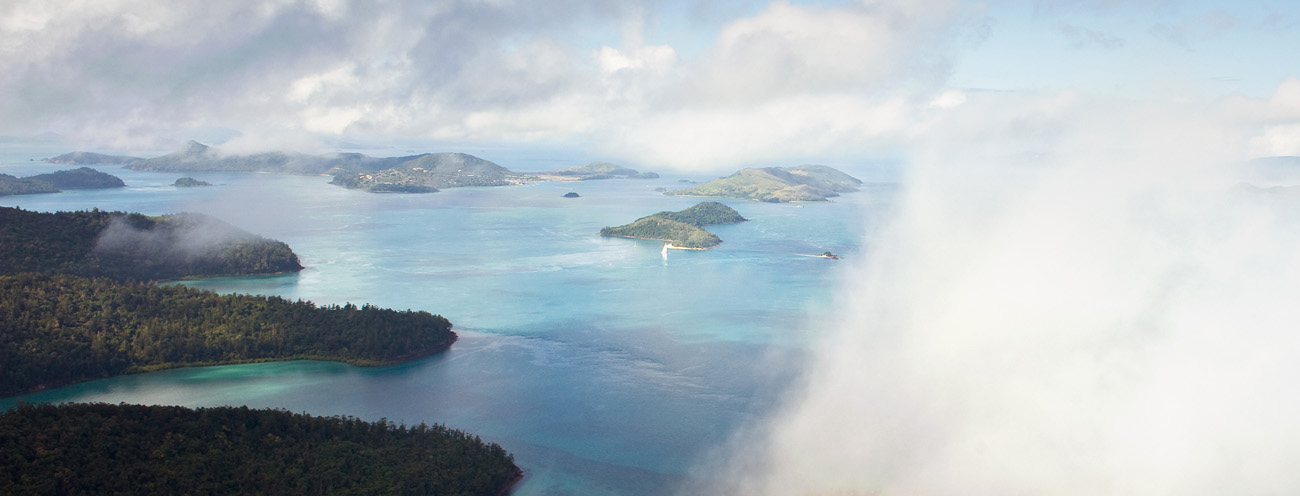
x,y
10,185
603,170
705,214
778,184
426,173
681,228
189,182
134,449
91,158
83,178
571,194
132,246
58,329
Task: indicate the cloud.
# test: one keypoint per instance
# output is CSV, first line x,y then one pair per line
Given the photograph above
x,y
124,72
1072,297
131,68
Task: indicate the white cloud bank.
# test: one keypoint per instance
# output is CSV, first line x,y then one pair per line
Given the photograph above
x,y
787,81
1073,298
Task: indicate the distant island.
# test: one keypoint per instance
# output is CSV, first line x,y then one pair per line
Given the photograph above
x,y
601,170
431,171
122,245
778,184
423,173
680,229
54,182
91,158
197,157
60,329
98,448
571,194
189,182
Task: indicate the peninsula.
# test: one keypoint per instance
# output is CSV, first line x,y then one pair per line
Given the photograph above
x,y
97,448
777,184
680,229
60,329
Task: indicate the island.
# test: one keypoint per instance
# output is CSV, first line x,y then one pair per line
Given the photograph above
x,y
189,182
54,182
120,245
91,158
81,178
96,448
61,329
426,173
601,170
197,157
680,229
571,194
778,184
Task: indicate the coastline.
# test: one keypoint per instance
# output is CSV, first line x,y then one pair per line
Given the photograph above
x,y
355,362
671,246
515,478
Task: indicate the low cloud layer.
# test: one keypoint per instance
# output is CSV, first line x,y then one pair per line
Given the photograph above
x,y
769,83
677,84
1089,303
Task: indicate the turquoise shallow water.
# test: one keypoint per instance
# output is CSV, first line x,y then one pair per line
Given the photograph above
x,y
605,367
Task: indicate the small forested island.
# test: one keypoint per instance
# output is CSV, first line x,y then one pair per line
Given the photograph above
x,y
428,172
59,329
681,229
122,245
91,158
189,182
571,194
601,170
134,449
53,182
778,184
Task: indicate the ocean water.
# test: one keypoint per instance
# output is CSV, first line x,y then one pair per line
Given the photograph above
x,y
603,365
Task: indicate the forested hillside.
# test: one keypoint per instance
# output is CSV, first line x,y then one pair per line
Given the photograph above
x,y
123,246
57,330
134,449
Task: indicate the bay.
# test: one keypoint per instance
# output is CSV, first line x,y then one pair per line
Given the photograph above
x,y
604,366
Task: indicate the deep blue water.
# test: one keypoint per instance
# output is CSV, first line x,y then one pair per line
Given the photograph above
x,y
605,367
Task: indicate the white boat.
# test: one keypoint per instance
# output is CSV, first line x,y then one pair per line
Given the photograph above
x,y
665,250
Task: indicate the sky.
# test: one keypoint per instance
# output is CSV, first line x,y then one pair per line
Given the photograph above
x,y
671,84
